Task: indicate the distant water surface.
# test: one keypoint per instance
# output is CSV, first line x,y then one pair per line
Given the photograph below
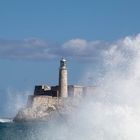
x,y
23,131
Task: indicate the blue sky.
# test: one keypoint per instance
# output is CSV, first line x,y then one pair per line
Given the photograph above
x,y
63,20
35,34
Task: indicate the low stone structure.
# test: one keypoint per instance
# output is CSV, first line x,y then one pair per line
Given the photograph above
x,y
51,101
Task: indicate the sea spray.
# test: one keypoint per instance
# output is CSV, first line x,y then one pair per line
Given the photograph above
x,y
12,100
113,109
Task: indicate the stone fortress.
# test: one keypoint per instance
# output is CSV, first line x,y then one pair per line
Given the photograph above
x,y
49,100
63,89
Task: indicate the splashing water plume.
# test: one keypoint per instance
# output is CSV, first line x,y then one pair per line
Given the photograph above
x,y
13,101
113,110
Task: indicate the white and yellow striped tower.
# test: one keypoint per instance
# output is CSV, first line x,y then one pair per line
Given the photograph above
x,y
63,79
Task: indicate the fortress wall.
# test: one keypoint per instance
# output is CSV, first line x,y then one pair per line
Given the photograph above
x,y
89,90
75,90
35,101
42,101
78,91
46,101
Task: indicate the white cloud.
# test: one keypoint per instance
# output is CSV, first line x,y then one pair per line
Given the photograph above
x,y
75,45
82,49
25,49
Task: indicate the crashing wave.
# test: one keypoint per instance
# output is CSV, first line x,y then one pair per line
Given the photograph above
x,y
4,120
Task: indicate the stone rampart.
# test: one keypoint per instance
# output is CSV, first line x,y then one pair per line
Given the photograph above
x,y
46,108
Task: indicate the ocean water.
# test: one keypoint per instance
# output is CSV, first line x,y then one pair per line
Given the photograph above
x,y
14,131
37,131
23,131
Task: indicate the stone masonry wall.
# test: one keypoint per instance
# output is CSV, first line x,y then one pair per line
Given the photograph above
x,y
47,108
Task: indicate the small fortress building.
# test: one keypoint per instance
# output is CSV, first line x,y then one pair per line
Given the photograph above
x,y
62,90
49,101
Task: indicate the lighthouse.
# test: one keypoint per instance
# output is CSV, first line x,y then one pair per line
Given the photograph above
x,y
63,79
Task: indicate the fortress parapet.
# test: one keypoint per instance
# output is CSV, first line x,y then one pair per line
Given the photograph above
x,y
73,90
46,90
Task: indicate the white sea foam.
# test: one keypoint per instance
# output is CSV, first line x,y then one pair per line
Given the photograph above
x,y
4,120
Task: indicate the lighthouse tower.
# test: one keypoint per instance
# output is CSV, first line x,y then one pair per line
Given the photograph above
x,y
63,80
